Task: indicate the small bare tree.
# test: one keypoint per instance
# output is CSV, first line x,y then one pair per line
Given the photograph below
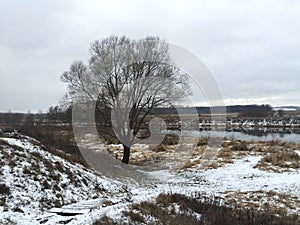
x,y
127,78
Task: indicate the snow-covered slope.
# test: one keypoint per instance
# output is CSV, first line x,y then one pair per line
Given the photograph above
x,y
33,180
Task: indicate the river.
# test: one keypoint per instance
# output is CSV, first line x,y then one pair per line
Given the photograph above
x,y
284,135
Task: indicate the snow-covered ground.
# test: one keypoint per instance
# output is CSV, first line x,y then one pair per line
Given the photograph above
x,y
74,189
38,181
226,182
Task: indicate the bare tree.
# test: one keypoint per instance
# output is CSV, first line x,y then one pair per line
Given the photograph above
x,y
126,79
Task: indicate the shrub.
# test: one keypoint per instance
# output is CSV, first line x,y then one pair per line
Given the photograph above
x,y
160,148
4,190
170,139
37,155
18,209
2,142
137,217
202,141
240,146
46,185
59,166
104,220
2,201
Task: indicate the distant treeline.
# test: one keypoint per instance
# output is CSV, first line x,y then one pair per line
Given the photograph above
x,y
243,110
54,115
57,115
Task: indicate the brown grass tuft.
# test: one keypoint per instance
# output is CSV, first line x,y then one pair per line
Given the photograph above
x,y
280,161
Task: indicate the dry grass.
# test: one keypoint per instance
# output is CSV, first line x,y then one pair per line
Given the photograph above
x,y
53,138
279,160
225,153
180,209
270,201
276,158
163,212
224,156
191,164
229,151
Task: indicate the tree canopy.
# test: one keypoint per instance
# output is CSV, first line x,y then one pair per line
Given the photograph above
x,y
126,79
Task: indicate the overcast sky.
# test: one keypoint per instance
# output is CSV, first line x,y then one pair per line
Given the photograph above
x,y
252,47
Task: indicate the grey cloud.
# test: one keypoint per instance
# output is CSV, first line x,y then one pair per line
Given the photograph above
x,y
252,47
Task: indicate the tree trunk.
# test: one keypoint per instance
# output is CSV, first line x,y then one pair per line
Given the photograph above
x,y
126,154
